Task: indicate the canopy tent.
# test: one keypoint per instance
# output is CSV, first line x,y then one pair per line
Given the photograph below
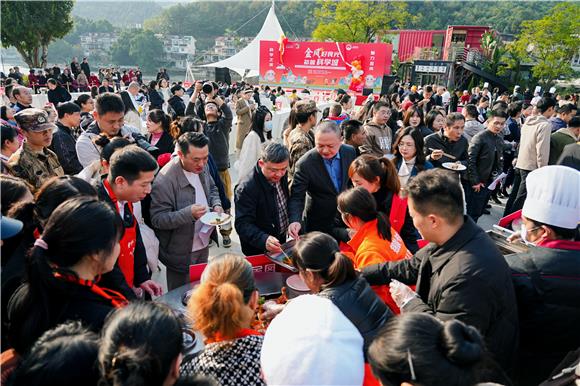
x,y
247,61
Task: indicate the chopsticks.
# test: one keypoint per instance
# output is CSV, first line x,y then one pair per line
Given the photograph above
x,y
445,154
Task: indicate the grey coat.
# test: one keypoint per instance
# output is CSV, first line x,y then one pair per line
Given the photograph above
x,y
171,199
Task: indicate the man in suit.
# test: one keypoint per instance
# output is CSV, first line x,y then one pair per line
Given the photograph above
x,y
262,203
321,174
244,111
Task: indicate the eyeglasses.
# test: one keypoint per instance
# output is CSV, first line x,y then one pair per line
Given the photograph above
x,y
409,145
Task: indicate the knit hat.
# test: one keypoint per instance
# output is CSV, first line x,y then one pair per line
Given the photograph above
x,y
312,343
553,197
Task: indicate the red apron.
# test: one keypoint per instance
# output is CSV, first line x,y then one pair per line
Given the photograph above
x,y
398,212
126,259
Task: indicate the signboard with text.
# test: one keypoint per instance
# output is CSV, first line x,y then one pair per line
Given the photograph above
x,y
324,66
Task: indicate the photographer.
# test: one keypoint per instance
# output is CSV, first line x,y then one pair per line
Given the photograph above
x,y
109,123
202,92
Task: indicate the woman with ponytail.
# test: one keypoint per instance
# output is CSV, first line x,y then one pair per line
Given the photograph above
x,y
418,349
34,215
379,177
332,275
79,243
158,128
223,308
374,241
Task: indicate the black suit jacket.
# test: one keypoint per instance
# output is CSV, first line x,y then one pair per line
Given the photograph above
x,y
115,280
166,143
314,196
257,212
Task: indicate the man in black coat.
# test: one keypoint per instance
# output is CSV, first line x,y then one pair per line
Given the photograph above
x,y
176,101
64,138
86,68
546,277
460,275
261,201
321,175
131,173
484,163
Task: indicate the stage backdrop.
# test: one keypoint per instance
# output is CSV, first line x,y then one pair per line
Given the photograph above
x,y
324,66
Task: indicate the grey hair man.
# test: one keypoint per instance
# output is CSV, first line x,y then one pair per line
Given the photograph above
x,y
261,202
321,175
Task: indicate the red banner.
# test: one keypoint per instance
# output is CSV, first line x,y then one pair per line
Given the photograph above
x,y
325,66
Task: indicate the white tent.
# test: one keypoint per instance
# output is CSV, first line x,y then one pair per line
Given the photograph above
x,y
247,61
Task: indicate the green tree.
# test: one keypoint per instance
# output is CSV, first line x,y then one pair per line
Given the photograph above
x,y
30,26
357,20
147,50
140,47
120,49
551,43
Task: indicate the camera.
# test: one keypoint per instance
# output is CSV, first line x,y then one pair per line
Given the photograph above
x,y
207,88
141,141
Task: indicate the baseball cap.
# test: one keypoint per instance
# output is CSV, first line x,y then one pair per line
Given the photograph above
x,y
10,227
307,107
33,119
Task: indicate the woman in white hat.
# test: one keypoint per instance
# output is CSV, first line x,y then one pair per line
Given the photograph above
x,y
547,276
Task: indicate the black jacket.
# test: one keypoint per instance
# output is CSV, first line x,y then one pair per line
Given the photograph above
x,y
58,95
219,138
547,285
485,157
70,301
440,141
257,212
313,193
115,279
64,146
408,232
86,69
156,99
166,143
178,105
467,279
361,305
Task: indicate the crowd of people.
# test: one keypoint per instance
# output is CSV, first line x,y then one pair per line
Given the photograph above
x,y
382,200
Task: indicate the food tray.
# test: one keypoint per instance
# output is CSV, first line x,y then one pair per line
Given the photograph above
x,y
282,258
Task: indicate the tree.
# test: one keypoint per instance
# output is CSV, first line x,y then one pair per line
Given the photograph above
x,y
357,20
120,49
30,26
551,43
147,50
140,47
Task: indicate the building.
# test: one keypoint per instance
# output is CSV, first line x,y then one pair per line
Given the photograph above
x,y
224,47
178,49
96,44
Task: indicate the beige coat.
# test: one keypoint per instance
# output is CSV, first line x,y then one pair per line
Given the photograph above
x,y
534,143
244,124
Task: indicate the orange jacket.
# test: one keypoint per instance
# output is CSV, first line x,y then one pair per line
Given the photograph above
x,y
370,248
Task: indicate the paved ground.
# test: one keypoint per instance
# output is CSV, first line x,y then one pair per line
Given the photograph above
x,y
485,222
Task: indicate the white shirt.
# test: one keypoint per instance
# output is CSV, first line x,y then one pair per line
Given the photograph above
x,y
202,232
445,97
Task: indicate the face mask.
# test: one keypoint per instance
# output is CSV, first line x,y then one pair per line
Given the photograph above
x,y
268,126
524,235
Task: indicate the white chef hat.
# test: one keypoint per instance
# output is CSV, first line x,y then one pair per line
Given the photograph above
x,y
311,342
553,196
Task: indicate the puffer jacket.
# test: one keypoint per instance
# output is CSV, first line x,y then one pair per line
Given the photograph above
x,y
547,284
466,279
357,301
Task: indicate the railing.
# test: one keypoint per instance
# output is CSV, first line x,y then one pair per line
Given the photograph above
x,y
424,53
